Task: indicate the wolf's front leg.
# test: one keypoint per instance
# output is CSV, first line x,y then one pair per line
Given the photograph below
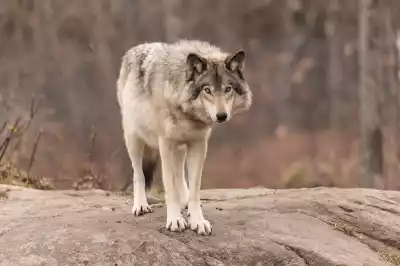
x,y
196,155
172,163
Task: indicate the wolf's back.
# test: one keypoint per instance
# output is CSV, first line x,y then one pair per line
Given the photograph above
x,y
168,54
125,69
135,63
151,63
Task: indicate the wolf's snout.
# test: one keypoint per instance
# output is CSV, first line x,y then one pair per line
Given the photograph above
x,y
221,117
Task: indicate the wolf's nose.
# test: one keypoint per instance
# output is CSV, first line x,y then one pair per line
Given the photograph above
x,y
221,117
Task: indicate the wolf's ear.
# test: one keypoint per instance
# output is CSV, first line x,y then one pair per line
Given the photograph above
x,y
235,62
196,64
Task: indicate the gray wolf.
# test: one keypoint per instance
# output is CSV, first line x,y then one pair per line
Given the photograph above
x,y
170,95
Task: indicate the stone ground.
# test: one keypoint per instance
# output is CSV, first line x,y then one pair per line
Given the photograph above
x,y
320,226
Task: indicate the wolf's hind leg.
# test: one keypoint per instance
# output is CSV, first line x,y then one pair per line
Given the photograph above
x,y
182,187
135,147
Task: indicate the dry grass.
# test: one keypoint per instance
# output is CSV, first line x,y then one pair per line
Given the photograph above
x,y
12,133
390,255
11,175
346,229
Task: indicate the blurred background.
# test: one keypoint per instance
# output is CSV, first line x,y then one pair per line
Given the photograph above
x,y
324,75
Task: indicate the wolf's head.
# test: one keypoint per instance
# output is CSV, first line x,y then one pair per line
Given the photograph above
x,y
218,87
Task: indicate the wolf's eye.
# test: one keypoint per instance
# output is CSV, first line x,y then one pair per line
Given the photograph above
x,y
228,88
207,89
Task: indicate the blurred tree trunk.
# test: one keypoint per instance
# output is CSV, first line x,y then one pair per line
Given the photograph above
x,y
172,21
391,94
371,136
285,113
397,84
297,24
334,77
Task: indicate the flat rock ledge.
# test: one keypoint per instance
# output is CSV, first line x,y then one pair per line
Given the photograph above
x,y
320,226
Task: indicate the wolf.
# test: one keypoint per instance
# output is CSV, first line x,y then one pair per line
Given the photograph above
x,y
170,97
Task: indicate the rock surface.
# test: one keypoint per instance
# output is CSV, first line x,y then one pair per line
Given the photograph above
x,y
321,226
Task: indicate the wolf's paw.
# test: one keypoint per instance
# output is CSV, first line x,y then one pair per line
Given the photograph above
x,y
200,226
176,224
141,209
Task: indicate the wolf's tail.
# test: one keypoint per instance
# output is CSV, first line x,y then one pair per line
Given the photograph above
x,y
150,160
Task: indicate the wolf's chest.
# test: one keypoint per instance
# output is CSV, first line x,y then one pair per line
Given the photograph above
x,y
172,128
184,130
